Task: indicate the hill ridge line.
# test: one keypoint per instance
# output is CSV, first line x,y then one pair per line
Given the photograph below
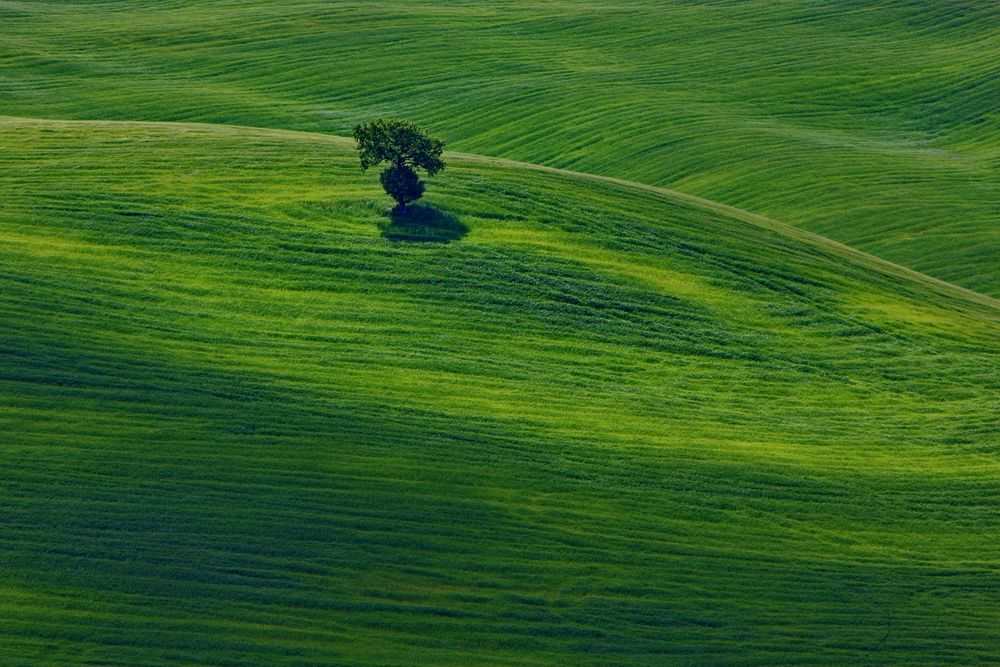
x,y
873,261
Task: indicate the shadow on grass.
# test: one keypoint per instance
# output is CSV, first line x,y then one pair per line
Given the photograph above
x,y
423,224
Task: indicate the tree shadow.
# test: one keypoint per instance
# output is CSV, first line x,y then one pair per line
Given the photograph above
x,y
422,224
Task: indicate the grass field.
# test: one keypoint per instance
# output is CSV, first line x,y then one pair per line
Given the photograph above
x,y
607,425
874,123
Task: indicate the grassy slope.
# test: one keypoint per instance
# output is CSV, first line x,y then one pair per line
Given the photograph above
x,y
607,426
872,123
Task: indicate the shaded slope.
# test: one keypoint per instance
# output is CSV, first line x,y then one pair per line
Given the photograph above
x,y
872,123
607,426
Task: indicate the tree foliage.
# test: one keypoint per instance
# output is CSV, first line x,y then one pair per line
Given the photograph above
x,y
402,184
406,148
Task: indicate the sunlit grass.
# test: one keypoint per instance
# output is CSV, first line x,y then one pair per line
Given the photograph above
x,y
605,425
874,123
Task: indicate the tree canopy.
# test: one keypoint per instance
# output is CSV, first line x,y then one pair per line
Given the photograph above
x,y
406,148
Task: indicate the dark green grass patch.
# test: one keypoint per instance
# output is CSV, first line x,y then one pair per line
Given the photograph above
x,y
423,224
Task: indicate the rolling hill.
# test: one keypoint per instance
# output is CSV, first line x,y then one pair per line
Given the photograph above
x,y
244,419
874,123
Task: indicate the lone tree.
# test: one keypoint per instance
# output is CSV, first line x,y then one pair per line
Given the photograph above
x,y
406,148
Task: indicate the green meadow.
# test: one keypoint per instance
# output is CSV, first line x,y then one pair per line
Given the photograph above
x,y
602,424
873,123
691,355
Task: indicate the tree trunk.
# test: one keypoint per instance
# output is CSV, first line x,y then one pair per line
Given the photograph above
x,y
402,204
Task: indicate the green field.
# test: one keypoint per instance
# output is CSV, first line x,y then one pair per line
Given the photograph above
x,y
608,425
711,376
873,123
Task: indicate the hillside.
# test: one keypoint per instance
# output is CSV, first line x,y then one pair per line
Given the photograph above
x,y
605,424
874,123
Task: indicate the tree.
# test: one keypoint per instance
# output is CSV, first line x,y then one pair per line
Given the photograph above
x,y
406,148
402,184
